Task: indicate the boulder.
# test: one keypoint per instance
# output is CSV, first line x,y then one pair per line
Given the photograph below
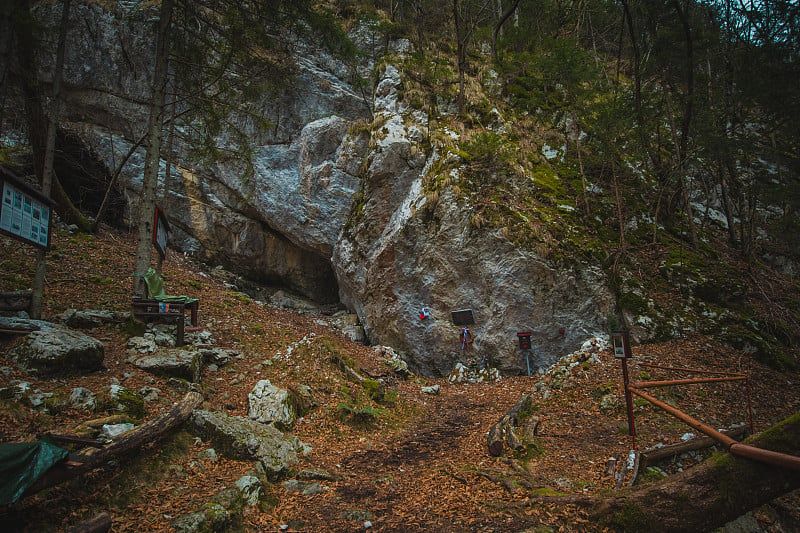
x,y
173,362
60,351
223,512
218,356
338,207
82,398
242,438
89,319
280,223
269,404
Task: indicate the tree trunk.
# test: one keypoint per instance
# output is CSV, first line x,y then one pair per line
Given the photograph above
x,y
151,164
709,495
499,26
461,52
726,204
49,154
88,458
651,457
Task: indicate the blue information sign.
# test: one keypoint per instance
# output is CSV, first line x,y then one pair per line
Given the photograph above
x,y
24,212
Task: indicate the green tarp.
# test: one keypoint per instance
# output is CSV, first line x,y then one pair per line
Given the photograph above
x,y
155,288
22,463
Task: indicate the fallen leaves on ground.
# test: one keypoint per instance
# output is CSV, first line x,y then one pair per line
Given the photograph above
x,y
423,467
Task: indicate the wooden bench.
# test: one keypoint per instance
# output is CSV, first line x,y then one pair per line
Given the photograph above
x,y
16,301
150,308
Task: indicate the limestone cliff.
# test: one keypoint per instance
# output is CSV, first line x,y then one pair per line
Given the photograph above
x,y
336,208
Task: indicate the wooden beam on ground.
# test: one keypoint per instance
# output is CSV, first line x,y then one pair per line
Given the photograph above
x,y
505,432
89,458
654,455
99,524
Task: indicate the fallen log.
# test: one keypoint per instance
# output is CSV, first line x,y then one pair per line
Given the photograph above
x,y
702,498
99,524
88,458
710,494
654,455
505,432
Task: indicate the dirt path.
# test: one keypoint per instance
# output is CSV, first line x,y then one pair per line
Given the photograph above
x,y
423,479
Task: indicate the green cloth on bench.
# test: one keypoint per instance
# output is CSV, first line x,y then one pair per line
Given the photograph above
x,y
155,287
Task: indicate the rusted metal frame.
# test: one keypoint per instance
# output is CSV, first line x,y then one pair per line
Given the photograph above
x,y
628,402
650,384
696,424
735,375
736,448
717,372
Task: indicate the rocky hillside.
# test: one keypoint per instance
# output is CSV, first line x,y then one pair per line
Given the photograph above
x,y
376,448
391,200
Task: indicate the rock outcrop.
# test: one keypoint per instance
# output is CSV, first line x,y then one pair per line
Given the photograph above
x,y
336,208
398,255
58,350
246,439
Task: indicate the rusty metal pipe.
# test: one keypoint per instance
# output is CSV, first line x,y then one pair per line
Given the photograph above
x,y
766,456
649,365
689,381
696,424
736,448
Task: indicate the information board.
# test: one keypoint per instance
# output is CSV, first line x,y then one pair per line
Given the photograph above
x,y
24,213
463,317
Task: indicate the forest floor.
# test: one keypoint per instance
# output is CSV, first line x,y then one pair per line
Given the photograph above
x,y
423,465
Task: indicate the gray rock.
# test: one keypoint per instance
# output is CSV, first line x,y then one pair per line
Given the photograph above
x,y
145,344
355,333
164,334
317,475
286,300
173,362
82,398
306,488
89,319
37,397
222,511
218,356
209,454
250,489
190,522
149,393
269,404
433,389
59,351
110,431
216,517
126,401
246,439
336,210
24,323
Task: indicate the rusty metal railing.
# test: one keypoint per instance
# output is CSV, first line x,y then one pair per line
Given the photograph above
x,y
736,448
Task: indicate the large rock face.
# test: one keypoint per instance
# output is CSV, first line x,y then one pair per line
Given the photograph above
x,y
336,211
399,255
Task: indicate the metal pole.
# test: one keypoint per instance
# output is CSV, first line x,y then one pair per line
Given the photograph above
x,y
650,365
628,401
749,407
648,384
